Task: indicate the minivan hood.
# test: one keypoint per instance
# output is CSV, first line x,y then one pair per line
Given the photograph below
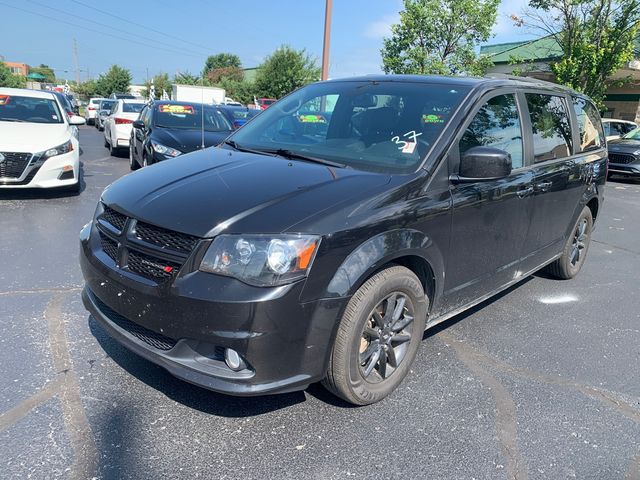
x,y
217,190
187,140
32,137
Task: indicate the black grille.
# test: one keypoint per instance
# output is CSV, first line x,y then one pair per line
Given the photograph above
x,y
26,180
151,267
116,219
180,242
155,340
621,158
109,246
13,164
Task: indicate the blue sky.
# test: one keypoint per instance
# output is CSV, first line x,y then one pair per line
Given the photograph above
x,y
171,36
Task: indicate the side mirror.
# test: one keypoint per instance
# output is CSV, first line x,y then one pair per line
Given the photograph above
x,y
138,124
77,120
483,163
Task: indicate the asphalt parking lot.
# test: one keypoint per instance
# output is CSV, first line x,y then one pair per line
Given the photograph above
x,y
539,383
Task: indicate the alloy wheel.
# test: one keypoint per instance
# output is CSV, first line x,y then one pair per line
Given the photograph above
x,y
385,337
580,237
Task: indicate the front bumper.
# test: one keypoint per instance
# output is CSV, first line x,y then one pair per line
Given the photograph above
x,y
49,174
632,169
185,327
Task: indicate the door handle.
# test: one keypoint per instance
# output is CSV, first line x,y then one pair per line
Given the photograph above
x,y
543,186
525,191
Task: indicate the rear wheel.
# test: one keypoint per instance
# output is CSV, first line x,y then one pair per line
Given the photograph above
x,y
378,337
575,249
113,151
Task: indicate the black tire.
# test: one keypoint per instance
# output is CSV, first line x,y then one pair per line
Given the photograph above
x,y
113,151
133,164
569,265
356,345
106,144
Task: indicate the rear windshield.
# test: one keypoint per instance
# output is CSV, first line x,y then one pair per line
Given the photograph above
x,y
28,109
132,107
95,101
189,117
106,104
375,126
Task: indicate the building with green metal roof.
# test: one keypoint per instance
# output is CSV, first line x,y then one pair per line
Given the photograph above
x,y
534,57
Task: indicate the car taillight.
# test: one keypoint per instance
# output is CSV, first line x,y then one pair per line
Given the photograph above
x,y
122,121
92,108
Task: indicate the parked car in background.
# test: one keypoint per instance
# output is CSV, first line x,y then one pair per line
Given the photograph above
x,y
306,250
238,115
624,155
168,129
38,145
117,126
264,103
92,109
64,102
104,110
122,96
614,128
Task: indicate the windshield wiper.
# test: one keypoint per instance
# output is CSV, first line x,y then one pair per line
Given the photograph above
x,y
283,152
235,146
12,120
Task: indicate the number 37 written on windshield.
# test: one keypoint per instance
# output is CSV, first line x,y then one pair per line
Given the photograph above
x,y
409,145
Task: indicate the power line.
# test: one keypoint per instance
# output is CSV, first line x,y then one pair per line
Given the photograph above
x,y
136,36
165,34
180,52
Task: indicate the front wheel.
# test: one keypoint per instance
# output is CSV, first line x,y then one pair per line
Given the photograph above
x,y
575,249
378,337
133,164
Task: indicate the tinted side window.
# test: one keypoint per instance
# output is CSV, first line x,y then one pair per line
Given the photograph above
x,y
497,124
591,133
551,127
625,128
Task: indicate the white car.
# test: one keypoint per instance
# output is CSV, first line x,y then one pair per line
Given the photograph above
x,y
118,125
92,110
38,148
614,128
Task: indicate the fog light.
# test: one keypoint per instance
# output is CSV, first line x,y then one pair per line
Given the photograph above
x,y
233,360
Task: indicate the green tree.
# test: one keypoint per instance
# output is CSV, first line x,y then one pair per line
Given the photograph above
x,y
117,79
49,75
596,37
8,79
186,78
285,70
240,90
221,60
161,82
86,89
440,37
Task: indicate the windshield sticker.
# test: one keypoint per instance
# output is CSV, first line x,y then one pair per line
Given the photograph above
x,y
432,118
4,99
177,109
312,119
408,146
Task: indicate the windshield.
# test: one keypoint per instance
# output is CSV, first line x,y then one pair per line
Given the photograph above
x,y
132,107
190,117
106,104
29,109
633,134
375,126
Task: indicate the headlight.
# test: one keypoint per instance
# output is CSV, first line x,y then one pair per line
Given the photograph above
x,y
59,150
163,150
261,260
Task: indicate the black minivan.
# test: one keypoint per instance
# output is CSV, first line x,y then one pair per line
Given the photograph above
x,y
321,239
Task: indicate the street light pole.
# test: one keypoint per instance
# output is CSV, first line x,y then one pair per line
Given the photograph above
x,y
327,40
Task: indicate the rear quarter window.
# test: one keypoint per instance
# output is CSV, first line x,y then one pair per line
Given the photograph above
x,y
592,136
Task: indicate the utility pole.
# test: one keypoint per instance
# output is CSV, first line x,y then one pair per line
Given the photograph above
x,y
327,40
75,58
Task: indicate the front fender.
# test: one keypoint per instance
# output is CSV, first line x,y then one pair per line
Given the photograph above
x,y
380,250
